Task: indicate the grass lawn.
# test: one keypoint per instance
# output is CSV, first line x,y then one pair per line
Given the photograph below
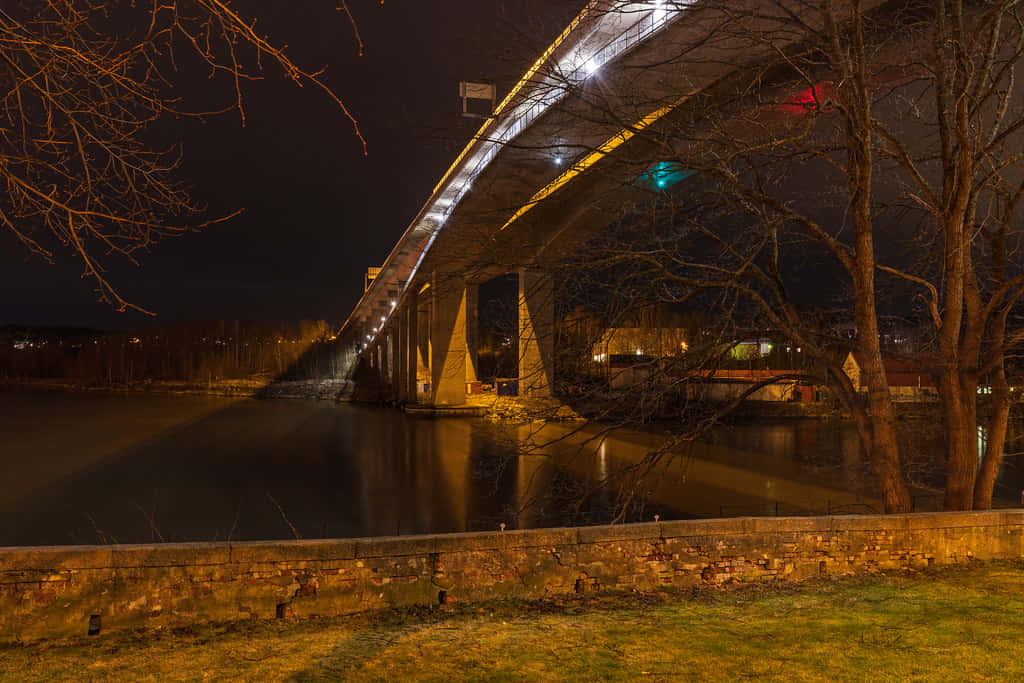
x,y
954,624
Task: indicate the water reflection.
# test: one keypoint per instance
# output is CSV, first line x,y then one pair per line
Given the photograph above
x,y
250,470
1010,484
88,469
748,469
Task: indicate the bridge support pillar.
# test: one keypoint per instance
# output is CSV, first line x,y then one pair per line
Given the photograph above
x,y
423,317
536,333
407,342
397,350
389,356
472,332
448,339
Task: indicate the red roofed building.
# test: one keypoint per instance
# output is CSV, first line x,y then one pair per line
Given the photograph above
x,y
908,380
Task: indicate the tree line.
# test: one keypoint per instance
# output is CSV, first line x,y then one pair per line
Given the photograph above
x,y
184,352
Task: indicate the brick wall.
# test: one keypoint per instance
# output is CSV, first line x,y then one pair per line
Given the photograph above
x,y
47,592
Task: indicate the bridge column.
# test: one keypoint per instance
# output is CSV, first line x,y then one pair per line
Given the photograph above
x,y
423,318
448,339
397,364
398,318
536,333
472,332
385,347
410,323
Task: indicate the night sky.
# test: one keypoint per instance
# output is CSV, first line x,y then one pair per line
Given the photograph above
x,y
317,212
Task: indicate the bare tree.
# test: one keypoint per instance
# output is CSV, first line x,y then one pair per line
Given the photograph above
x,y
82,82
877,144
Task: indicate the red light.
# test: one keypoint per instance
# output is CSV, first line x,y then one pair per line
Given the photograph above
x,y
817,98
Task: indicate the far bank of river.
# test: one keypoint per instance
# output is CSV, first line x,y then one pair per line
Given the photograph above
x,y
327,389
498,408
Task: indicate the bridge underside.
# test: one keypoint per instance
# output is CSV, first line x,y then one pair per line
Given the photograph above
x,y
426,346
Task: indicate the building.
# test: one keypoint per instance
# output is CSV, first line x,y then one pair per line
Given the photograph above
x,y
897,336
728,384
631,354
908,380
654,342
635,355
370,276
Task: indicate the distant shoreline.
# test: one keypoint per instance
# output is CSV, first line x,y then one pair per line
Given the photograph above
x,y
327,389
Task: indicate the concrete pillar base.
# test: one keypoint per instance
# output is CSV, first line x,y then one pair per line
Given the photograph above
x,y
448,339
536,333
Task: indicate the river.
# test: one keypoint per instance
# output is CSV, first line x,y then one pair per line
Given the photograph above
x,y
105,468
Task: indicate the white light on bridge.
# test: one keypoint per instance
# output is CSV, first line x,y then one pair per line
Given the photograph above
x,y
574,68
393,303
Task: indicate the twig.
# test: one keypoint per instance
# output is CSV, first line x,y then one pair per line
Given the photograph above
x,y
234,524
284,516
104,538
152,524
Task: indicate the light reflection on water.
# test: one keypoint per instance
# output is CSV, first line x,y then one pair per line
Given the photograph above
x,y
99,468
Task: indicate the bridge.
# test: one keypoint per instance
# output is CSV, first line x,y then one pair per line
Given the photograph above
x,y
539,176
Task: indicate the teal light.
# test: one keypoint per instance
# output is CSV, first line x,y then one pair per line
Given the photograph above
x,y
663,175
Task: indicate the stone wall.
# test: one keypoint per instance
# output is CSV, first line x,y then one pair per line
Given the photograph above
x,y
63,591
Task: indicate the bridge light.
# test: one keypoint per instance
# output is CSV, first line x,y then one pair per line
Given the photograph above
x,y
591,67
393,303
660,12
558,161
383,318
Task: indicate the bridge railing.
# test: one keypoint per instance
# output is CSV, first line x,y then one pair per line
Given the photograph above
x,y
555,90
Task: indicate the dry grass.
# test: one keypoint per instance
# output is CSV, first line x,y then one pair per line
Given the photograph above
x,y
959,624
